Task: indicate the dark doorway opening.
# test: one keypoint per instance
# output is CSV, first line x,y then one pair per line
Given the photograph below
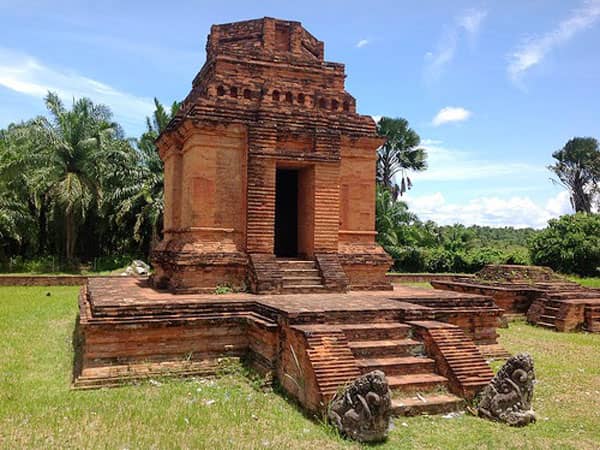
x,y
286,213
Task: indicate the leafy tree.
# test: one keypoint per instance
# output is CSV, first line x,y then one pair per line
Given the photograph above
x,y
22,202
578,169
79,148
398,154
142,198
15,222
391,215
570,244
426,247
457,237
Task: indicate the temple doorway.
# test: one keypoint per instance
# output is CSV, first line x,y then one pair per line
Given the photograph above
x,y
286,213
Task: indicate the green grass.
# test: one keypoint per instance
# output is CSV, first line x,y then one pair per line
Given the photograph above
x,y
53,274
593,282
423,284
78,271
38,410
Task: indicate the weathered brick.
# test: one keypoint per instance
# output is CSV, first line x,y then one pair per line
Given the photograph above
x,y
266,99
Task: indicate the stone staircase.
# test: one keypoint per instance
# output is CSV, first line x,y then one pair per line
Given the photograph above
x,y
592,318
386,346
548,318
412,377
300,276
458,357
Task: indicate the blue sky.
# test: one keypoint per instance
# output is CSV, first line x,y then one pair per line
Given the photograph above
x,y
491,87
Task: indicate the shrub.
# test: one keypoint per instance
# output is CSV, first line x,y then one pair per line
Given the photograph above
x,y
477,258
223,289
439,260
407,259
570,244
518,255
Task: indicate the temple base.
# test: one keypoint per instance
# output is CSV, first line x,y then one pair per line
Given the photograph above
x,y
421,339
263,273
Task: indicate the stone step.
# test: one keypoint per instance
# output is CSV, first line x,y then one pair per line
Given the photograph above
x,y
375,331
402,365
302,289
426,404
300,273
295,264
300,281
546,325
392,347
417,382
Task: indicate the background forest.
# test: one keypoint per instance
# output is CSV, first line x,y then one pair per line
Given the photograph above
x,y
76,194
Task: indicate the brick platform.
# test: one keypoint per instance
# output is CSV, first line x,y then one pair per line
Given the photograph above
x,y
427,342
544,297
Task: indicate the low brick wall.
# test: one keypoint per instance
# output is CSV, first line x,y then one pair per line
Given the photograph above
x,y
78,280
47,280
424,277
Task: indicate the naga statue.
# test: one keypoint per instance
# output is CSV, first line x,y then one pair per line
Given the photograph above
x,y
508,396
362,410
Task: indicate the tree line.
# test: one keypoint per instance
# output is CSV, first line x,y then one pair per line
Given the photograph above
x,y
570,244
73,187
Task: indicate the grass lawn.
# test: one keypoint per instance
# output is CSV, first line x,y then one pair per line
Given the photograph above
x,y
593,282
117,271
38,410
421,284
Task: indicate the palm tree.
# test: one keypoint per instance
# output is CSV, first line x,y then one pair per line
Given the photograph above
x,y
22,202
398,154
77,145
143,197
393,220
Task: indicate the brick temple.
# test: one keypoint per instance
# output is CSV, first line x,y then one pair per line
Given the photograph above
x,y
268,159
270,184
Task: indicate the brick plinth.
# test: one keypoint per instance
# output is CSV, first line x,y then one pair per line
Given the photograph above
x,y
187,272
311,343
366,268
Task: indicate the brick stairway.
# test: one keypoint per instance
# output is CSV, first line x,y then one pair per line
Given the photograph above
x,y
592,318
462,360
567,308
300,276
391,348
341,352
548,318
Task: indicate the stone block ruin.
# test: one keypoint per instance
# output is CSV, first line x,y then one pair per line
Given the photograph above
x,y
544,297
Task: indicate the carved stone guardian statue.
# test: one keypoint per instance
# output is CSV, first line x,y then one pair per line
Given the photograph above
x,y
362,410
508,396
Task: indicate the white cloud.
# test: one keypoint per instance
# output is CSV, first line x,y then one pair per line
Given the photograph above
x,y
533,50
468,23
471,20
451,114
449,164
362,43
26,75
519,212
